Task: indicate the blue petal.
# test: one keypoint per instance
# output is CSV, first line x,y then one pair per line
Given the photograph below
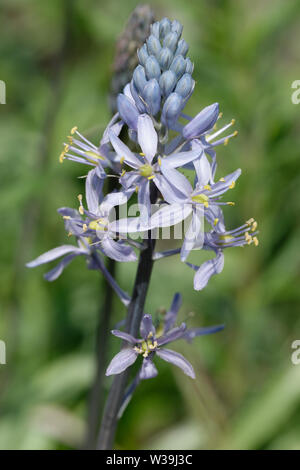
x,y
122,361
176,359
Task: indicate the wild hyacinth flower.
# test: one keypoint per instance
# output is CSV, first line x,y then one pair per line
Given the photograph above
x,y
217,241
153,344
201,201
149,166
93,234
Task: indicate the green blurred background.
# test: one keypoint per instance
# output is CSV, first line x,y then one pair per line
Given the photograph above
x,y
57,66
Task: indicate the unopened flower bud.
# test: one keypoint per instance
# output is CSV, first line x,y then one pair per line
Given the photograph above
x,y
182,48
165,58
185,85
178,66
127,111
143,54
172,109
139,78
164,27
171,41
154,45
152,96
152,68
167,82
177,27
201,123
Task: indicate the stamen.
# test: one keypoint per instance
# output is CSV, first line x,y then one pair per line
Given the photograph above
x,y
84,227
255,241
226,141
151,177
254,226
66,217
136,189
230,203
222,180
216,221
232,185
250,221
122,159
208,187
123,173
159,161
73,130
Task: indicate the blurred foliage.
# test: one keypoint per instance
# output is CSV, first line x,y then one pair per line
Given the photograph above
x,y
56,59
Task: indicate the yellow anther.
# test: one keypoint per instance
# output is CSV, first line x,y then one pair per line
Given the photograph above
x,y
142,154
146,353
122,159
159,161
254,226
70,139
67,148
138,350
73,130
79,197
215,127
222,180
150,334
84,227
230,203
232,122
136,189
66,217
151,177
201,199
208,187
232,185
235,133
216,221
255,241
80,209
226,141
250,221
70,234
220,115
123,172
61,157
248,238
146,170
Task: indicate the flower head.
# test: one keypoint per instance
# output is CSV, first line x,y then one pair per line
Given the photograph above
x,y
152,343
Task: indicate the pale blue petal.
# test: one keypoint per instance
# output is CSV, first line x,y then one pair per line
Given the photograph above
x,y
170,215
117,251
123,151
146,326
122,361
125,336
147,136
148,369
53,254
178,360
56,272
